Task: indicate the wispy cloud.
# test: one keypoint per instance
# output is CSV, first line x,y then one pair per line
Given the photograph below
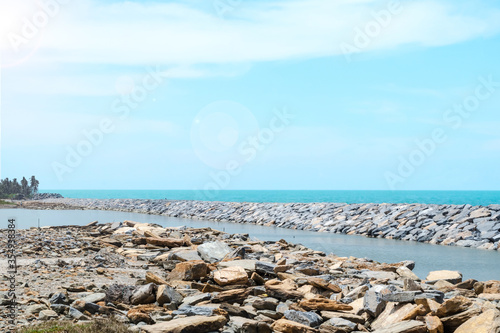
x,y
129,33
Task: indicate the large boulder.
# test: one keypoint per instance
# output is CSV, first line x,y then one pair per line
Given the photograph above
x,y
213,251
189,271
231,276
487,322
450,276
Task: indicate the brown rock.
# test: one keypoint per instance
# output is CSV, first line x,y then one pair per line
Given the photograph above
x,y
452,322
152,278
489,297
429,304
347,316
434,324
452,306
323,304
450,276
232,296
320,283
165,242
189,270
487,322
230,276
136,316
467,284
193,324
411,326
288,326
488,287
395,313
284,290
257,278
282,268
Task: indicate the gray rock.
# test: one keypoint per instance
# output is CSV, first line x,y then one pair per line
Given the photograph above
x,y
35,309
194,311
47,315
344,324
264,268
373,302
94,298
60,308
306,318
143,295
59,298
213,251
195,299
401,297
74,313
267,303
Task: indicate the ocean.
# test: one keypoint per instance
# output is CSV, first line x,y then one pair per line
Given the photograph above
x,y
483,198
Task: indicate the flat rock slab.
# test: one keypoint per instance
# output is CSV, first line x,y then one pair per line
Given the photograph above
x,y
194,324
410,326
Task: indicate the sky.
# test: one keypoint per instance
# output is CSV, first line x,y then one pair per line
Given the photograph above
x,y
247,94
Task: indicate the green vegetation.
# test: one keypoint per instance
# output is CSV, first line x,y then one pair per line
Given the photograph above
x,y
12,189
3,202
101,326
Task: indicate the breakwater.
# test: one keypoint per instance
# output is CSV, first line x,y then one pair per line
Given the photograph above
x,y
453,225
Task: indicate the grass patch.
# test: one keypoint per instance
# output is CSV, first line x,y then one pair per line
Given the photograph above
x,y
3,202
101,326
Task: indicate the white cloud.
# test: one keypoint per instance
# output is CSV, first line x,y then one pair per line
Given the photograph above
x,y
130,33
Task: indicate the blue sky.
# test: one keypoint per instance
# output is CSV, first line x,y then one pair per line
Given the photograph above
x,y
262,95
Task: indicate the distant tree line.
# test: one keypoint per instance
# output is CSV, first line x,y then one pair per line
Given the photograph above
x,y
13,189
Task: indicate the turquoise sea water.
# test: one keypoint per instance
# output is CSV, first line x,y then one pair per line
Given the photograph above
x,y
428,197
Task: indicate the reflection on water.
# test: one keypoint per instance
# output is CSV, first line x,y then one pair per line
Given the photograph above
x,y
478,264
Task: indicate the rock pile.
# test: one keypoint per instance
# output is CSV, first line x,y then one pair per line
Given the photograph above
x,y
42,196
456,225
202,280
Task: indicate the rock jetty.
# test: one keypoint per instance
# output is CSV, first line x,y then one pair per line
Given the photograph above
x,y
173,280
455,225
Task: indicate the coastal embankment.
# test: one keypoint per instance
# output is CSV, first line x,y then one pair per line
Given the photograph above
x,y
152,279
453,225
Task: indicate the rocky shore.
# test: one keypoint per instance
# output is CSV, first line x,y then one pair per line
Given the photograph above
x,y
174,280
455,225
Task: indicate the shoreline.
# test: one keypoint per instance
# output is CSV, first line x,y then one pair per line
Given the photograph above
x,y
161,279
451,225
